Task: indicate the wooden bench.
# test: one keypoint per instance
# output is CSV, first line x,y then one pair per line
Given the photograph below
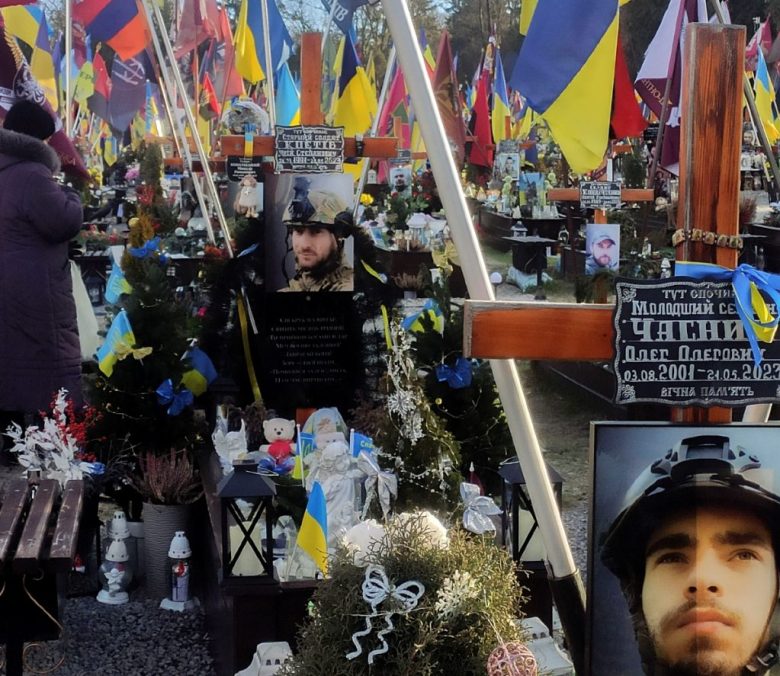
x,y
39,527
241,612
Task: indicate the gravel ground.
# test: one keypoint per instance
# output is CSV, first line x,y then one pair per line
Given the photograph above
x,y
140,639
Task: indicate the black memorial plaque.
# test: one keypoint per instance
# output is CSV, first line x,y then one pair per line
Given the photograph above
x,y
310,350
680,342
508,146
309,150
600,195
238,166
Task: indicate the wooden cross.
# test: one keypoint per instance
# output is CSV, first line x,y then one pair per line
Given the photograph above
x,y
709,200
311,112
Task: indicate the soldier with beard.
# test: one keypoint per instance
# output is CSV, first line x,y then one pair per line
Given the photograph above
x,y
318,247
695,549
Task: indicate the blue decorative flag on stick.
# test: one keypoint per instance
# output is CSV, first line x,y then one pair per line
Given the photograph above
x,y
119,337
202,373
313,536
360,442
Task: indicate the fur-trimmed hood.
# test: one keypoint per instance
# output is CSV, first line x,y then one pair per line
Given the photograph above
x,y
16,147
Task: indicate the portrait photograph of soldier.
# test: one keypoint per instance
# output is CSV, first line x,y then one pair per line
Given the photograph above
x,y
602,242
309,233
400,180
507,164
683,569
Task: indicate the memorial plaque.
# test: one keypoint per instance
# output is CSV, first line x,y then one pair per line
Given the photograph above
x,y
310,344
600,195
309,150
680,342
238,166
508,146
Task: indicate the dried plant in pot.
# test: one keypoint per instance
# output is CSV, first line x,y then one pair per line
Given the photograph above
x,y
169,484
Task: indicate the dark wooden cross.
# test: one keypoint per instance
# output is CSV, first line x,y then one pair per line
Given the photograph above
x,y
311,112
709,200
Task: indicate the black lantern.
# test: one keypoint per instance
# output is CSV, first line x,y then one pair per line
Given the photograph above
x,y
96,287
245,498
523,532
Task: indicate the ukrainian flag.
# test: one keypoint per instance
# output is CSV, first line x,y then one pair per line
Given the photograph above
x,y
119,335
572,88
313,536
202,373
356,104
500,102
116,285
414,323
288,100
765,99
250,52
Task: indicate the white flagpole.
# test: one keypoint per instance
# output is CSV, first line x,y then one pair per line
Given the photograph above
x,y
68,49
269,65
212,188
565,581
374,127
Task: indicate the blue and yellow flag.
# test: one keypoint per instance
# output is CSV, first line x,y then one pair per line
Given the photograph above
x,y
304,446
119,337
356,105
432,311
765,100
288,100
572,88
501,108
250,52
116,285
202,373
313,536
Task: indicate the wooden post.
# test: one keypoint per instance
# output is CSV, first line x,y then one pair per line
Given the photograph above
x,y
709,193
311,79
710,146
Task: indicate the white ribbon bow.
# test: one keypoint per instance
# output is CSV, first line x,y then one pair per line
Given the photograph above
x,y
378,482
377,588
477,510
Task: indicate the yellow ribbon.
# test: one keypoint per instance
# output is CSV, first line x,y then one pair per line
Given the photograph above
x,y
250,367
386,322
123,350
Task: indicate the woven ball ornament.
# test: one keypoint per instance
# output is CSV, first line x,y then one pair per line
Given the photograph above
x,y
511,659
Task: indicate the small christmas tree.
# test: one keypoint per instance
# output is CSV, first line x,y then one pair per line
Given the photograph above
x,y
468,403
413,438
132,413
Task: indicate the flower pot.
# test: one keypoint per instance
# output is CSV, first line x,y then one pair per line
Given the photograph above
x,y
160,524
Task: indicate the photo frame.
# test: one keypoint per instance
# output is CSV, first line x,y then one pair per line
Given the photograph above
x,y
620,451
602,246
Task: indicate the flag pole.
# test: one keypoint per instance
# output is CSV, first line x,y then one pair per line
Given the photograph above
x,y
169,111
179,127
756,119
193,127
374,127
565,580
269,68
68,49
659,140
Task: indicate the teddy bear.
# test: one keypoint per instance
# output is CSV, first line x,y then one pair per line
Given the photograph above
x,y
246,203
281,448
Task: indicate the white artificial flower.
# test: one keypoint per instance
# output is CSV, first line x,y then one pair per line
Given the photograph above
x,y
434,530
360,537
455,592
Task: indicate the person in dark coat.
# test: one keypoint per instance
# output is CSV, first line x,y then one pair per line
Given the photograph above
x,y
39,339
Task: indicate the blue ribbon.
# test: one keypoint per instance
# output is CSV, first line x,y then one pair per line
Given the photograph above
x,y
741,279
458,377
149,248
178,399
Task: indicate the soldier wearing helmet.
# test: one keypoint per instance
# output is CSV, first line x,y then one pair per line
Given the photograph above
x,y
695,549
318,224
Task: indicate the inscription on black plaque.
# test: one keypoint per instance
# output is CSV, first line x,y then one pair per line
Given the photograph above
x,y
600,195
309,150
310,350
680,341
238,166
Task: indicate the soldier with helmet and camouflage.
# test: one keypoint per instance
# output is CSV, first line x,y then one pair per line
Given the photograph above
x,y
318,224
695,549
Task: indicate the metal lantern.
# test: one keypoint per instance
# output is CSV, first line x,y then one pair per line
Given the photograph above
x,y
246,497
519,525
